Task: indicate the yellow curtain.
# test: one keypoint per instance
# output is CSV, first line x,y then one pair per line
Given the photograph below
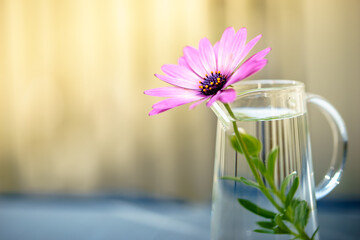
x,y
72,73
74,117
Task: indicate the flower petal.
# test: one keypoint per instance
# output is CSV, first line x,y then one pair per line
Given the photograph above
x,y
237,49
260,55
247,69
224,53
174,102
192,57
180,82
171,92
247,48
228,95
207,55
180,72
198,102
157,111
216,49
213,99
182,62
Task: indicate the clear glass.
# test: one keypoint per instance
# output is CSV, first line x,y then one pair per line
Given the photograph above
x,y
274,111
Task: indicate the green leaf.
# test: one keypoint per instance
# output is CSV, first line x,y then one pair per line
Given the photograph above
x,y
301,213
259,165
252,144
235,144
314,234
271,161
244,181
256,209
284,184
292,191
295,202
264,231
266,224
278,230
278,220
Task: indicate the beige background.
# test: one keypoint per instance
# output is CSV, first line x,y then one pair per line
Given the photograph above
x,y
72,72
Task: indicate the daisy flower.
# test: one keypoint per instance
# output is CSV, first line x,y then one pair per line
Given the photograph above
x,y
206,74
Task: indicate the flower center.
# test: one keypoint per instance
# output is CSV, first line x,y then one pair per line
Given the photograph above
x,y
212,83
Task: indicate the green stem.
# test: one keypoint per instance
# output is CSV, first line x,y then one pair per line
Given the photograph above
x,y
249,160
301,233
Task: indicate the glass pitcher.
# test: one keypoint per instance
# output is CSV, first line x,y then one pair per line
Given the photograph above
x,y
274,112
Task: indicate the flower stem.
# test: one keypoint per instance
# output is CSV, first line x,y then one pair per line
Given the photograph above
x,y
301,233
251,164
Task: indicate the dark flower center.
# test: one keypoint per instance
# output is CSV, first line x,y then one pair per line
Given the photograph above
x,y
212,83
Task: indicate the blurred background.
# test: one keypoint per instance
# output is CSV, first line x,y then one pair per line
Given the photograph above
x,y
73,116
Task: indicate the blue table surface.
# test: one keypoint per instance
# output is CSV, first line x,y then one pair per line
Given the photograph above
x,y
127,217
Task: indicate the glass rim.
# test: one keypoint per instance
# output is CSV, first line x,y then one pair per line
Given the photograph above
x,y
270,84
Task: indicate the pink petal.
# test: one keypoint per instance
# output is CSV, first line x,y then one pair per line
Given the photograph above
x,y
228,95
225,45
170,103
180,72
174,102
207,55
157,111
216,49
182,62
171,92
213,99
237,49
198,102
259,55
192,57
245,70
185,83
247,48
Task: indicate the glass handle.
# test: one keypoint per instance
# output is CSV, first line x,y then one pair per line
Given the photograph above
x,y
333,175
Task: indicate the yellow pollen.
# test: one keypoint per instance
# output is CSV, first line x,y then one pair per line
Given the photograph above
x,y
217,83
206,86
211,83
206,75
218,79
200,86
210,88
204,90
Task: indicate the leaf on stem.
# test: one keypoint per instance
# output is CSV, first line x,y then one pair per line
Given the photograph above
x,y
266,224
259,165
314,234
278,230
244,181
271,161
235,144
264,231
292,191
252,144
301,212
256,209
282,226
284,184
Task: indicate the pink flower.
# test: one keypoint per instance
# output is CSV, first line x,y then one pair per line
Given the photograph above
x,y
207,73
